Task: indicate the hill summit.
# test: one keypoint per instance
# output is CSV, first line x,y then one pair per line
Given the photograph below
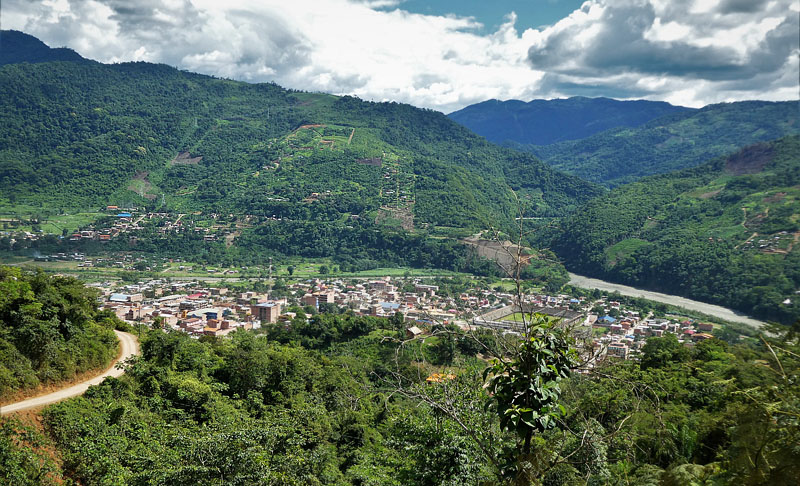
x,y
16,46
542,122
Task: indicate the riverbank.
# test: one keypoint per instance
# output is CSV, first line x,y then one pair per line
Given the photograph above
x,y
693,305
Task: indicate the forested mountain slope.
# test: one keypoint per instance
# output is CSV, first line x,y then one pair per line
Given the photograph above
x,y
542,122
16,46
671,142
88,134
726,232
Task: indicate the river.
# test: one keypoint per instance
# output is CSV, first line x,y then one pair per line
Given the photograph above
x,y
710,309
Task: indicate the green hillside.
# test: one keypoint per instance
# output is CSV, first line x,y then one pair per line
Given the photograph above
x,y
543,122
726,232
671,142
78,135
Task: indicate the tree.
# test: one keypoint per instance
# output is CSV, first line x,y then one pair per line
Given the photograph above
x,y
444,350
159,323
397,321
526,387
523,384
659,352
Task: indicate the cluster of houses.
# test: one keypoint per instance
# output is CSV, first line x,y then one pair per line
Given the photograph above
x,y
624,336
193,309
397,187
128,223
123,222
199,309
776,243
205,310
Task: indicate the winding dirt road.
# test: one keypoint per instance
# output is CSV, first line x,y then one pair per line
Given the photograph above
x,y
130,347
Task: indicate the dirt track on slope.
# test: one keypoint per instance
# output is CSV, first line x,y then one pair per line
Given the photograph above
x,y
130,347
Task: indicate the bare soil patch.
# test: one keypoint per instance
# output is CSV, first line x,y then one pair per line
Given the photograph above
x,y
405,216
229,238
709,195
775,198
750,160
185,158
142,189
376,161
33,419
504,253
313,125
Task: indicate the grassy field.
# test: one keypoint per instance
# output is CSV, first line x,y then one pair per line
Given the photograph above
x,y
10,217
506,284
623,248
404,271
302,270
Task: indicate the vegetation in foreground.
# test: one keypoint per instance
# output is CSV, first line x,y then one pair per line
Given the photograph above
x,y
344,399
50,330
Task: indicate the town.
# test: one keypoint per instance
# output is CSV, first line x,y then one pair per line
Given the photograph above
x,y
613,329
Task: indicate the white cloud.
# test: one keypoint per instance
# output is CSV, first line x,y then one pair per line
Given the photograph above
x,y
720,51
622,48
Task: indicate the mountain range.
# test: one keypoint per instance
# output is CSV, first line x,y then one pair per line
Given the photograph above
x,y
89,134
543,122
327,176
614,142
671,142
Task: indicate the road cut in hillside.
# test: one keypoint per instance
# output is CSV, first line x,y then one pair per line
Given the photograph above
x,y
130,347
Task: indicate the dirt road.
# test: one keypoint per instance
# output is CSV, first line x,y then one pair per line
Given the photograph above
x,y
710,309
130,347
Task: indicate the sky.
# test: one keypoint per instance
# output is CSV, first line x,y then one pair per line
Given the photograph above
x,y
447,54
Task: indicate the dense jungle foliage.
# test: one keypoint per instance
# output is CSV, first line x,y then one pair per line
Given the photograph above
x,y
337,400
80,135
542,122
671,142
50,330
726,232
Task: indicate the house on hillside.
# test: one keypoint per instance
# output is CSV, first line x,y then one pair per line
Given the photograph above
x,y
413,332
619,350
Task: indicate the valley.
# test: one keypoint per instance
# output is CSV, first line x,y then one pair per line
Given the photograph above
x,y
722,233
219,280
692,305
